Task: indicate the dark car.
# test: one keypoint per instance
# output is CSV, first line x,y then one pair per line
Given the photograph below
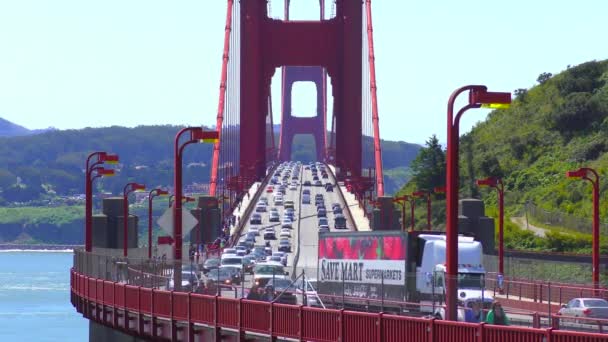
x,y
283,291
210,264
224,277
284,246
329,187
306,183
339,221
249,263
255,219
321,213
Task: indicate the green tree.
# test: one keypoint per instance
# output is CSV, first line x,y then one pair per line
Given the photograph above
x,y
544,77
428,168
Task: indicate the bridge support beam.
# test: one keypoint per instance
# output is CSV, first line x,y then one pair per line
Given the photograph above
x,y
334,44
292,125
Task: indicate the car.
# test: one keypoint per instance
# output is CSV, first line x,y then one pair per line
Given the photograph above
x,y
323,221
318,183
223,277
329,187
228,251
321,213
585,308
260,208
269,189
263,200
339,221
306,183
309,287
293,187
283,256
231,260
273,258
266,271
278,201
285,234
306,192
270,234
253,231
315,178
324,176
287,224
284,245
255,218
305,199
211,264
324,229
288,204
274,217
337,210
284,291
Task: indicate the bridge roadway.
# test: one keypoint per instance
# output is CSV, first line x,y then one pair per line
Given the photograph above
x,y
305,232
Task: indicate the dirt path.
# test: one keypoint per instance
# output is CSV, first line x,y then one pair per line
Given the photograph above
x,y
521,222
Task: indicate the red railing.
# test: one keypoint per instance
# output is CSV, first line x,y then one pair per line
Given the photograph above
x,y
279,320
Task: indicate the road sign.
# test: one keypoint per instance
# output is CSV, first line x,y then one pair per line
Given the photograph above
x,y
166,221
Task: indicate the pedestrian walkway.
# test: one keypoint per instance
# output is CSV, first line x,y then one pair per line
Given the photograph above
x,y
240,210
357,213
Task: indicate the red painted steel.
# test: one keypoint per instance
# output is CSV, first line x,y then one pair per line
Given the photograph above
x,y
180,304
499,333
573,336
162,303
394,328
311,324
361,326
451,331
222,99
145,300
227,312
108,293
283,327
202,308
255,316
119,295
132,297
320,324
373,88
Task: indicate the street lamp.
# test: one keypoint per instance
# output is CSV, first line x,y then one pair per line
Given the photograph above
x,y
101,158
402,200
184,199
584,173
420,194
478,97
153,193
129,188
196,135
495,182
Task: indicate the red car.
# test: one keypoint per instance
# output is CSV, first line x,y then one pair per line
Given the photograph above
x,y
269,189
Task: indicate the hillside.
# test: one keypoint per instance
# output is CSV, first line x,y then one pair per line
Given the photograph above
x,y
39,167
558,125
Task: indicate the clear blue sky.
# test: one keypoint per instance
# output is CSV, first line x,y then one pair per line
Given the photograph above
x,y
75,63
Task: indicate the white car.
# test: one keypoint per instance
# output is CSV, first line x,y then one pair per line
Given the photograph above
x,y
254,230
229,251
269,234
293,187
260,208
278,201
285,234
287,223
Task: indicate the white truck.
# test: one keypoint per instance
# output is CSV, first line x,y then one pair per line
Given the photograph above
x,y
384,269
470,280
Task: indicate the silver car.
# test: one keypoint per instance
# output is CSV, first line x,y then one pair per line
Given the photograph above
x,y
586,308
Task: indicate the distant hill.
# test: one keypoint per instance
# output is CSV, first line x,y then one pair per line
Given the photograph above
x,y
37,167
9,129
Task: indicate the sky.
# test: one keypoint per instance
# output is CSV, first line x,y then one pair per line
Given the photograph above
x,y
74,63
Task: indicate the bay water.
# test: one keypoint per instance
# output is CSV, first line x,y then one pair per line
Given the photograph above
x,y
35,298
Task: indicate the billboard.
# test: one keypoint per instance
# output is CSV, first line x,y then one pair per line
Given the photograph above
x,y
362,264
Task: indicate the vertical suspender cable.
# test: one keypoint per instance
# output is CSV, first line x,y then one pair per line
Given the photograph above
x,y
220,107
372,67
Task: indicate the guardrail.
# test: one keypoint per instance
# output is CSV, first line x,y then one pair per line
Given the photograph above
x,y
180,316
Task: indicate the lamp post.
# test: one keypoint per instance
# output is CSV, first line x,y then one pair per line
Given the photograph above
x,y
184,199
129,188
196,135
591,175
420,194
153,193
478,97
94,159
402,200
495,182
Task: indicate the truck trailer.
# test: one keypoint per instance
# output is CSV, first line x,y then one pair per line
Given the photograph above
x,y
381,271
